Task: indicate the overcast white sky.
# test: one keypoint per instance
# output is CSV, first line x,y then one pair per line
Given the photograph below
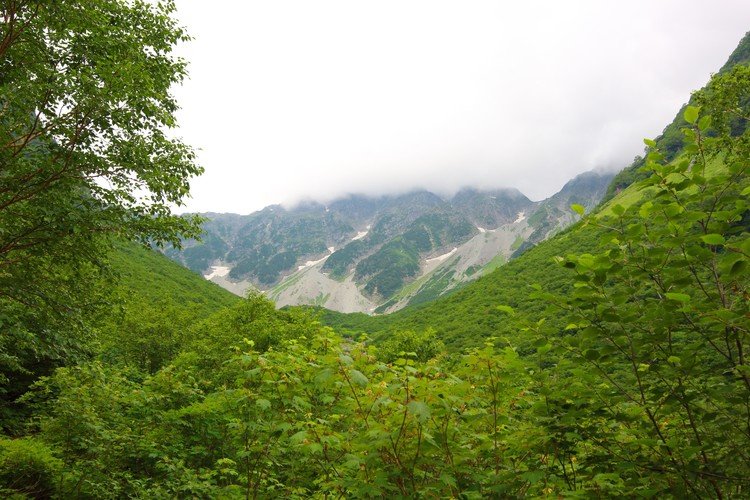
x,y
293,99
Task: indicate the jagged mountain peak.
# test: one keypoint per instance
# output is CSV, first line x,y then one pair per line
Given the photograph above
x,y
491,208
590,180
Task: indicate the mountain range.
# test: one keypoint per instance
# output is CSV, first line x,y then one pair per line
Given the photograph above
x,y
379,254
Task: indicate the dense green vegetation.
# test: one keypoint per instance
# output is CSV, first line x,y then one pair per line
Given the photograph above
x,y
341,261
433,287
610,361
145,273
388,268
154,302
84,160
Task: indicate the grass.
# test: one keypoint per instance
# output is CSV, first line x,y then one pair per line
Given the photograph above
x,y
497,261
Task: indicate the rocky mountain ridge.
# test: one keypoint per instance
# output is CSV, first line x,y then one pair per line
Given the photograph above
x,y
379,254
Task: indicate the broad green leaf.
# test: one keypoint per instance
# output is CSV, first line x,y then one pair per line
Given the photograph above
x,y
713,239
673,209
679,297
323,375
691,114
420,410
704,122
645,209
315,448
447,479
358,378
591,355
298,437
505,309
579,209
738,267
533,476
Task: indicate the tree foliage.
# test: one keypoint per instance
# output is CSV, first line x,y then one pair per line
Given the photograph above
x,y
662,316
85,157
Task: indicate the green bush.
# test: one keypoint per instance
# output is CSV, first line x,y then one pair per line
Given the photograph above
x,y
27,467
421,346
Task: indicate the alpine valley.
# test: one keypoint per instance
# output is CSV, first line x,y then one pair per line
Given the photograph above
x,y
525,353
379,254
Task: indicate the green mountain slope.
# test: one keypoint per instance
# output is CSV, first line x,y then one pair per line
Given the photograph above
x,y
154,305
149,275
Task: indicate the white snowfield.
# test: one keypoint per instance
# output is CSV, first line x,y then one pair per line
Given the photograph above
x,y
441,258
217,272
311,263
220,275
521,216
481,229
360,235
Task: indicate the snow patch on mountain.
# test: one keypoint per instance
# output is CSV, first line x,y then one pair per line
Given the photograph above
x,y
220,275
311,263
441,258
217,271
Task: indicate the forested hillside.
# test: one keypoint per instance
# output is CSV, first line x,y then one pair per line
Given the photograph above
x,y
610,361
145,274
